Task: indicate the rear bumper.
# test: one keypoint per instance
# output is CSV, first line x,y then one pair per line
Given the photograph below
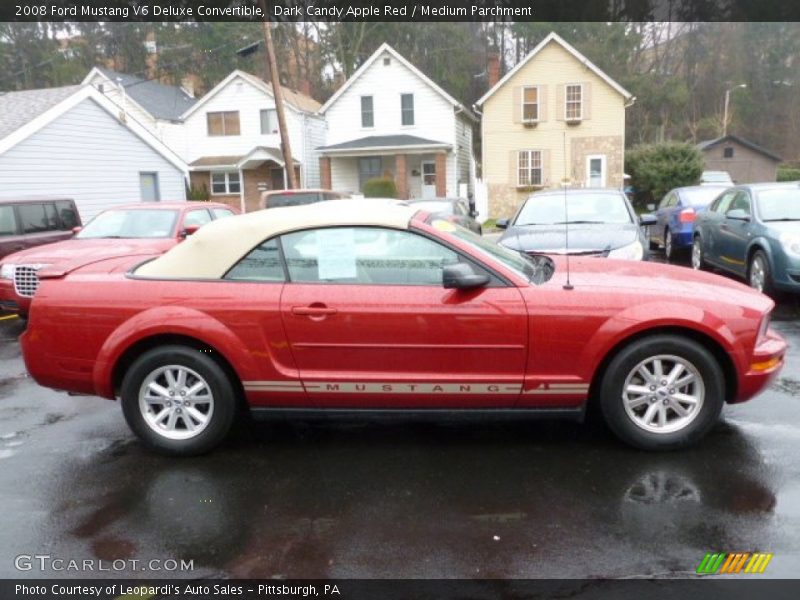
x,y
683,239
765,364
10,300
60,373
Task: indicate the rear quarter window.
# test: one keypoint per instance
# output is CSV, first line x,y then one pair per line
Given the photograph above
x,y
67,214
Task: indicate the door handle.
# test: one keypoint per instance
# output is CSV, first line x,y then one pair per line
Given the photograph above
x,y
313,311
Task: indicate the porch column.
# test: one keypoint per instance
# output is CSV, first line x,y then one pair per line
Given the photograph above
x,y
325,173
441,175
401,176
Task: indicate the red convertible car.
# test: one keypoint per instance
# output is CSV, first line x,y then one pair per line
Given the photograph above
x,y
345,308
135,229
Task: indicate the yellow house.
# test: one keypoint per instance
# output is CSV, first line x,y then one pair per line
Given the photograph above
x,y
554,117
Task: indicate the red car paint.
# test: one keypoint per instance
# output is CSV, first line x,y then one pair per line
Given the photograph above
x,y
77,251
533,346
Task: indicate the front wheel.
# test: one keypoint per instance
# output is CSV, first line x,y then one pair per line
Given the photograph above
x,y
662,392
698,261
178,400
758,273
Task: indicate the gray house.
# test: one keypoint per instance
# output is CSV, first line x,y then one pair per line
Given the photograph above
x,y
745,161
74,142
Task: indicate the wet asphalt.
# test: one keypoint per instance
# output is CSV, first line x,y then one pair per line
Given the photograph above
x,y
448,499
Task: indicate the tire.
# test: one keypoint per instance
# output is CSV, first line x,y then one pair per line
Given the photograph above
x,y
635,417
698,258
669,251
758,274
215,400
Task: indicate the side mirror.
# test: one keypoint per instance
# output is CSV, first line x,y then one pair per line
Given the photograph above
x,y
647,219
189,230
461,276
76,230
738,214
501,223
651,207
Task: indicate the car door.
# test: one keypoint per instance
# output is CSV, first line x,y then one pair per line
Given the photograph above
x,y
370,324
734,234
662,217
711,223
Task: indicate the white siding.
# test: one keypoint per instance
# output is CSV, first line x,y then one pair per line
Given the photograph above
x,y
315,129
463,153
86,154
344,174
434,118
238,95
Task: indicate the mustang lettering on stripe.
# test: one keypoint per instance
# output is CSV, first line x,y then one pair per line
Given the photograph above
x,y
394,387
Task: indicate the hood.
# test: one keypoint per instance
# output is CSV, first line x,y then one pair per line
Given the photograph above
x,y
76,250
780,227
583,239
667,281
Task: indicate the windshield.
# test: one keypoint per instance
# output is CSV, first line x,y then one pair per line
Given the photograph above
x,y
536,269
716,177
581,207
780,204
701,196
431,206
136,223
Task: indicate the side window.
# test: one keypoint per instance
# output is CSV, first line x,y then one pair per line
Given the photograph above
x,y
67,214
740,202
35,218
723,204
261,264
221,212
365,255
667,201
8,221
196,217
460,209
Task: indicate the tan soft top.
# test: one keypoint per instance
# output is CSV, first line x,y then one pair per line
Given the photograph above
x,y
217,246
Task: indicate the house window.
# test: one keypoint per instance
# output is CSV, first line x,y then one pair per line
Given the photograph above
x,y
368,168
367,112
728,152
529,168
530,104
225,182
574,99
223,123
407,108
269,121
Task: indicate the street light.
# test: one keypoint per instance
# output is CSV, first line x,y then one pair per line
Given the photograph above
x,y
727,101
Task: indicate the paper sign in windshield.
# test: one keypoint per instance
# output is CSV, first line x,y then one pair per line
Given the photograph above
x,y
336,255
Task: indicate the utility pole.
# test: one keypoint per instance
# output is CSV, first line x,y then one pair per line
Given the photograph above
x,y
727,102
277,91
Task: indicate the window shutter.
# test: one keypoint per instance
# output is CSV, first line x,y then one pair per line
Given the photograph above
x,y
546,168
560,102
516,110
587,101
542,103
513,168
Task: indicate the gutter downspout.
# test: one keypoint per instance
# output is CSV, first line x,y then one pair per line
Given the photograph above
x,y
241,190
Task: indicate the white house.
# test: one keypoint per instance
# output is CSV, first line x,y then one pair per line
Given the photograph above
x,y
74,142
232,144
389,119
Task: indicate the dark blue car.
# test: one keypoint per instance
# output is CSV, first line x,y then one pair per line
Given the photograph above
x,y
675,216
753,231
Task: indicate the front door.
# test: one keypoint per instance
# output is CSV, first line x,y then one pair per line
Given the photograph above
x,y
596,171
734,235
429,179
370,325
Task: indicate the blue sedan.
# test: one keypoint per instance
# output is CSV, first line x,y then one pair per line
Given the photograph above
x,y
675,216
753,231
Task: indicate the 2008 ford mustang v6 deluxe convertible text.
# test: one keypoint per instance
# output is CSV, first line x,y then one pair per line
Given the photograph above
x,y
344,307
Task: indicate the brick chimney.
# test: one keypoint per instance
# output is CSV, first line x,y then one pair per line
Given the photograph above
x,y
304,86
493,68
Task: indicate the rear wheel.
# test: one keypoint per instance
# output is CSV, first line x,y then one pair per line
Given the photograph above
x,y
758,273
698,260
662,392
178,400
669,251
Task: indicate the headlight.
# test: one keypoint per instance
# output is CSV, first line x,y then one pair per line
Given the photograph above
x,y
634,251
7,271
790,243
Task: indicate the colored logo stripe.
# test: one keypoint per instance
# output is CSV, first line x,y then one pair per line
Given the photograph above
x,y
731,563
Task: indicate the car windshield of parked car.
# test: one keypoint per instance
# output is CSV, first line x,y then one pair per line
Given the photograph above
x,y
290,199
779,205
581,208
433,206
700,196
136,223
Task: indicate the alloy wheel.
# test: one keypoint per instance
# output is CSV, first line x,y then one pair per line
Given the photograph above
x,y
176,402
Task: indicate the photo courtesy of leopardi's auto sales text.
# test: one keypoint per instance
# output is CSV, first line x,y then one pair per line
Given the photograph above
x,y
406,300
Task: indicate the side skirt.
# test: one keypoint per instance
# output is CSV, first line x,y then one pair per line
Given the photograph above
x,y
415,414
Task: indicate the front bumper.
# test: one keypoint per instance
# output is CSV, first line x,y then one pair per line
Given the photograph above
x,y
765,364
10,300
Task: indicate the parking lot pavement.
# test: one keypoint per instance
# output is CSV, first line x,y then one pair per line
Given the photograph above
x,y
450,499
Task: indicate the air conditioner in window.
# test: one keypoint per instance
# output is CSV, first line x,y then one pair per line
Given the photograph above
x,y
530,124
573,120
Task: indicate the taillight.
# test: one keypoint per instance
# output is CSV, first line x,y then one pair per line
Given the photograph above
x,y
687,215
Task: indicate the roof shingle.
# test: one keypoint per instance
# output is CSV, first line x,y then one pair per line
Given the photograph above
x,y
19,108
